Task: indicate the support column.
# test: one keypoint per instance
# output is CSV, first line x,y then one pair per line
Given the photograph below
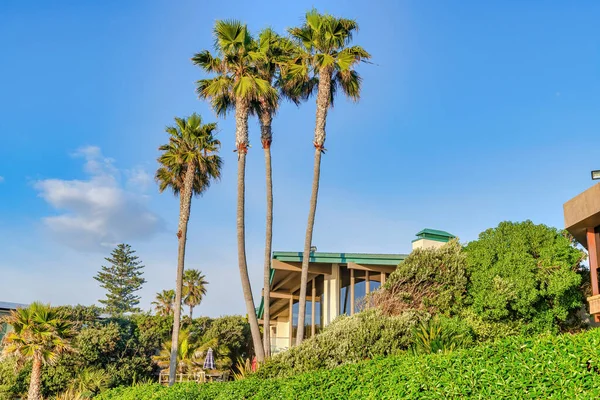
x,y
382,278
593,243
367,283
331,295
312,303
291,333
352,282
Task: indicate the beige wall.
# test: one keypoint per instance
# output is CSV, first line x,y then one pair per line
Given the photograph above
x,y
427,244
281,340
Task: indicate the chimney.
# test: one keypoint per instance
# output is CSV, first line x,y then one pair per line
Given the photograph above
x,y
431,239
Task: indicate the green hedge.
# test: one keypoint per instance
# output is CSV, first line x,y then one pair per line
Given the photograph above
x,y
558,367
348,339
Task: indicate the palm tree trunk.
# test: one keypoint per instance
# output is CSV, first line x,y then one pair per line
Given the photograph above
x,y
35,383
191,311
266,137
323,98
241,133
185,198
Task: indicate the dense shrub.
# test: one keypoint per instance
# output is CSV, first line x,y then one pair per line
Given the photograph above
x,y
522,272
565,366
119,349
346,340
434,280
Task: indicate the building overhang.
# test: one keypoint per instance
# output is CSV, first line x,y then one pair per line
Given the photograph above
x,y
286,268
583,212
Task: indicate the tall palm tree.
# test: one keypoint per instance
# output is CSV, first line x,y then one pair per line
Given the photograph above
x,y
188,165
165,302
277,53
236,84
40,333
328,56
194,288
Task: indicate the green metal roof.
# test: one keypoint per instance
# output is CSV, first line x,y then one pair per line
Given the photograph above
x,y
261,308
434,234
359,258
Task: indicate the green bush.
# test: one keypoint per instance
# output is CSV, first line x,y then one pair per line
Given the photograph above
x,y
120,349
522,272
434,280
346,340
564,366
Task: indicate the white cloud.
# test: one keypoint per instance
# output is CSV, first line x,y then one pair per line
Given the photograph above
x,y
138,178
1,179
98,212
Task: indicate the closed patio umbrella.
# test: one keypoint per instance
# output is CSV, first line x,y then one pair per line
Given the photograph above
x,y
209,361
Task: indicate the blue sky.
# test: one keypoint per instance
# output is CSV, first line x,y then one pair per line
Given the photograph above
x,y
472,113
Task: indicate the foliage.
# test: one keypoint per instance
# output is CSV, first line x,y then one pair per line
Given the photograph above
x,y
237,82
549,366
346,340
189,359
434,280
441,335
194,288
121,280
118,348
40,334
485,330
326,53
37,331
90,382
165,302
191,143
243,368
524,272
9,379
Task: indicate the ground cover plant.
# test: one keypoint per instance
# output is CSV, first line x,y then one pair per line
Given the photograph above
x,y
545,367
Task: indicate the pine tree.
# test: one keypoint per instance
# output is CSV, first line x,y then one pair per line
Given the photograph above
x,y
121,280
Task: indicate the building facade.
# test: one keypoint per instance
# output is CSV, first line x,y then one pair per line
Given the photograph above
x,y
337,285
582,220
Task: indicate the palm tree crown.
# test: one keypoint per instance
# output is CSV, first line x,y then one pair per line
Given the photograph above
x,y
40,333
237,82
190,143
327,54
194,288
165,302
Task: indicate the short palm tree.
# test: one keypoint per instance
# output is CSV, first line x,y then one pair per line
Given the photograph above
x,y
40,334
189,360
194,288
327,56
188,164
165,302
235,85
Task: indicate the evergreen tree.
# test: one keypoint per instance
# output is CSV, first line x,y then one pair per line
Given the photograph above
x,y
121,280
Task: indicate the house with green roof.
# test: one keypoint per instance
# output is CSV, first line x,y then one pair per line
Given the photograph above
x,y
337,284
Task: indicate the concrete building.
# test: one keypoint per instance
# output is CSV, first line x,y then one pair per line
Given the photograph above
x,y
337,283
582,220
